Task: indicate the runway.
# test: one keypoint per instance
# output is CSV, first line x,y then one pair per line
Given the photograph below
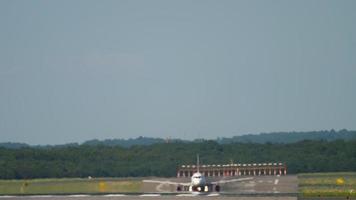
x,y
146,197
247,185
249,188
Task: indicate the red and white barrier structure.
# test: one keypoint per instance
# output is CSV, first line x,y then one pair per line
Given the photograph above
x,y
254,169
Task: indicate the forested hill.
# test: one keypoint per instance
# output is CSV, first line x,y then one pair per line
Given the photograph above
x,y
126,143
163,159
290,137
278,137
108,142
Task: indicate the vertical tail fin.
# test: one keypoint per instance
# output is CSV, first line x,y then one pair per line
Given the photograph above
x,y
198,162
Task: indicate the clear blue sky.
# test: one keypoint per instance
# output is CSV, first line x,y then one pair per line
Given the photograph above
x,y
77,70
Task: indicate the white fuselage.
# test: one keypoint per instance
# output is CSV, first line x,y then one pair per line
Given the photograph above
x,y
198,179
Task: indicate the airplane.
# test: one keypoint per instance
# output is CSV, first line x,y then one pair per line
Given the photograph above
x,y
198,183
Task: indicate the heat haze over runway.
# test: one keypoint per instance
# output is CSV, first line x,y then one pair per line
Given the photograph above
x,y
119,197
247,185
257,187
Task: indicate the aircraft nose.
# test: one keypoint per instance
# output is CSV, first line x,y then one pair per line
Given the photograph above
x,y
197,181
200,181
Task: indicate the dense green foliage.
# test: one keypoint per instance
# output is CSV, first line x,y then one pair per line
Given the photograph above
x,y
163,159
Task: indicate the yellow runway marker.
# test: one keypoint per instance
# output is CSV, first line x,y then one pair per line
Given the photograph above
x,y
340,181
102,186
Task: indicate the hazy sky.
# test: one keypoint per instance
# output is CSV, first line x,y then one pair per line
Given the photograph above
x,y
77,70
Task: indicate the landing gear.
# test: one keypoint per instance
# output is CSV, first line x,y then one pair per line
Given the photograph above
x,y
217,188
206,189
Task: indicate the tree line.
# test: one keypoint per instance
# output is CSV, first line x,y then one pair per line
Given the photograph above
x,y
273,137
163,159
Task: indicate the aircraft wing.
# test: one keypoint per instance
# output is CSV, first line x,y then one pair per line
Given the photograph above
x,y
165,182
231,180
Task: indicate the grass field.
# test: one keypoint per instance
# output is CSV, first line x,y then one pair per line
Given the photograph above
x,y
341,184
69,186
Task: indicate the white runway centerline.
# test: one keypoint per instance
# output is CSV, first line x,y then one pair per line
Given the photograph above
x,y
276,181
115,195
79,195
150,195
41,196
213,195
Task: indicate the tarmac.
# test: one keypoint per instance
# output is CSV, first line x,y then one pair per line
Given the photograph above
x,y
247,185
147,197
250,188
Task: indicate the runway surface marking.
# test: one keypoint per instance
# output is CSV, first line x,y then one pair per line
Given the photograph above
x,y
115,195
213,195
41,196
159,187
276,181
79,195
150,195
